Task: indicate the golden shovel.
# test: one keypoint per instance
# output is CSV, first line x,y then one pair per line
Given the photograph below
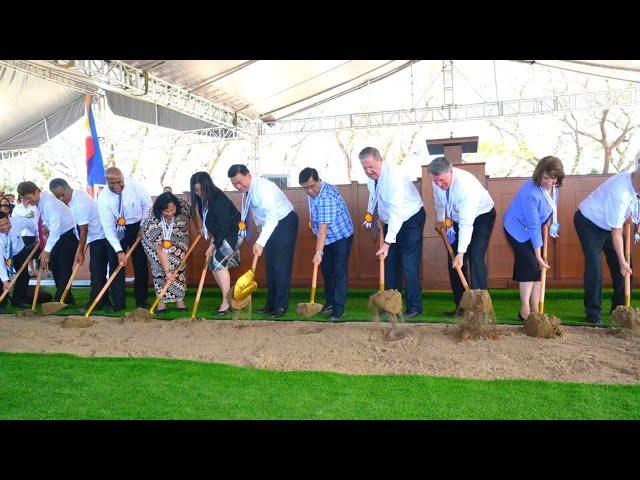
x,y
246,285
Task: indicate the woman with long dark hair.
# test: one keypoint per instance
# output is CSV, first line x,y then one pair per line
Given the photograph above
x,y
220,219
165,239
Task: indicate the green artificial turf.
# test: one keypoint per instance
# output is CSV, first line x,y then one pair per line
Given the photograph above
x,y
36,386
563,303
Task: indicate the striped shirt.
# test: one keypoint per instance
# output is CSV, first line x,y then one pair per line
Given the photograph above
x,y
329,207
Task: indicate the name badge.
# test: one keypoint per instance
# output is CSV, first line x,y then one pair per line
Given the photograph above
x,y
8,262
166,244
554,230
121,222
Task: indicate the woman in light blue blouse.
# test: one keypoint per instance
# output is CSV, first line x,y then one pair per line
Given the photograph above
x,y
534,204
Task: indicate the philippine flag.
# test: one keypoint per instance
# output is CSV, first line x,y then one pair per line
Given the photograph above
x,y
95,168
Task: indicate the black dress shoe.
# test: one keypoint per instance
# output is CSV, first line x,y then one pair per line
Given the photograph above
x,y
327,309
81,311
114,309
223,312
278,312
521,318
266,310
594,320
412,314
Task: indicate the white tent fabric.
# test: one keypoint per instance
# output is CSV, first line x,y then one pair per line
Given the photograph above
x,y
628,70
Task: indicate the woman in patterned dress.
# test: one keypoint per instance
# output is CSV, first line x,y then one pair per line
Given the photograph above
x,y
165,240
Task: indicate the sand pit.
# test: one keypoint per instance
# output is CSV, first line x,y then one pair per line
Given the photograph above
x,y
308,309
138,315
389,301
581,354
50,308
626,317
77,321
26,313
541,325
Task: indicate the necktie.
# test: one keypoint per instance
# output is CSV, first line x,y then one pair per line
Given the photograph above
x,y
375,230
41,242
120,228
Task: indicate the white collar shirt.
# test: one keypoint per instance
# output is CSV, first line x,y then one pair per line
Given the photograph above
x,y
398,198
28,212
85,212
136,203
609,205
56,216
468,200
269,205
11,242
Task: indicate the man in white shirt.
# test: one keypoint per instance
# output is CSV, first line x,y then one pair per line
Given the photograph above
x,y
23,209
599,221
274,213
465,211
123,207
58,252
13,253
401,210
85,214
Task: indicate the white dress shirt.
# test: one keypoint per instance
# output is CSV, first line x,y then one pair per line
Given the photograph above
x,y
468,200
85,212
56,216
137,206
398,198
28,212
611,203
269,205
12,242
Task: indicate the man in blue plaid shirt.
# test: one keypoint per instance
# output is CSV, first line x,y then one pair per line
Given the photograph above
x,y
330,221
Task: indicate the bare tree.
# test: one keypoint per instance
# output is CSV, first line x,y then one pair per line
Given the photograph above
x,y
216,153
346,147
405,151
572,124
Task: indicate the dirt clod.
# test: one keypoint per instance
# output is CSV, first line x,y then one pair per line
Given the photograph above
x,y
77,321
626,317
389,301
241,309
138,315
308,309
476,318
49,308
541,325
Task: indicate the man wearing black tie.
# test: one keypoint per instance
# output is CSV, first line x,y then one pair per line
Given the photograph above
x,y
123,208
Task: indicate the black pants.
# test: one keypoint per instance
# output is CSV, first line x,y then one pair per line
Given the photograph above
x,y
140,270
61,262
594,240
98,261
335,268
405,256
474,265
19,294
278,254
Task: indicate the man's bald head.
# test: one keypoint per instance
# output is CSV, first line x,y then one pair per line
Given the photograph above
x,y
115,180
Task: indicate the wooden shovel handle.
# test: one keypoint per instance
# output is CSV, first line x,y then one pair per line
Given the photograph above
x,y
381,286
112,277
200,285
70,282
452,256
254,263
35,294
627,256
314,280
543,277
172,276
15,277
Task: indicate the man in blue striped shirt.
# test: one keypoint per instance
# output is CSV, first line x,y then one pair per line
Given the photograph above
x,y
331,223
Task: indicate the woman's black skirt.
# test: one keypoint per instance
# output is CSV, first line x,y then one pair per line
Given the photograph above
x,y
525,265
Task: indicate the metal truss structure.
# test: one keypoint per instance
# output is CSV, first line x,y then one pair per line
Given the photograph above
x,y
51,75
457,113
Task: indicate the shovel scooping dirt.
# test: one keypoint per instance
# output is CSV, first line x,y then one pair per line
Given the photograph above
x,y
240,296
49,308
389,301
310,309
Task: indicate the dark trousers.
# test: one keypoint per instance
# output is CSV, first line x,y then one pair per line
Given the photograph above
x,y
61,262
98,261
594,240
19,294
278,254
474,265
140,270
405,256
335,268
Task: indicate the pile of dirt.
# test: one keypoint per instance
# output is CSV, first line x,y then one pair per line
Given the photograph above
x,y
49,308
308,309
25,313
241,309
541,325
138,315
626,317
389,301
77,321
476,318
